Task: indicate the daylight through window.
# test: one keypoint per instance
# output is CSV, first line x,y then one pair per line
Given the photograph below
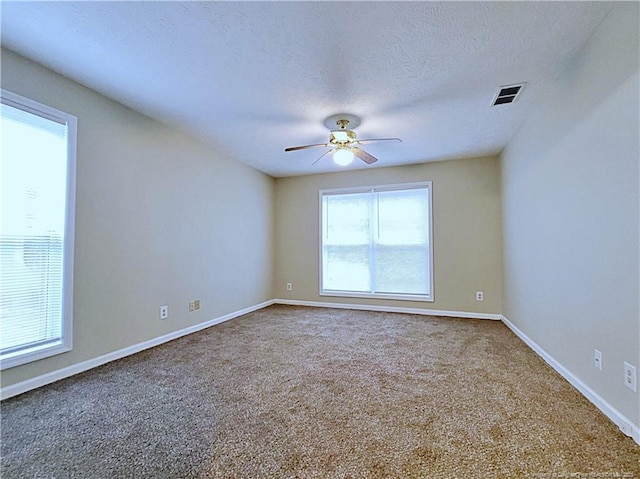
x,y
376,242
37,175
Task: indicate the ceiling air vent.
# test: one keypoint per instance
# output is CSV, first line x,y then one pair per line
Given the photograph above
x,y
507,94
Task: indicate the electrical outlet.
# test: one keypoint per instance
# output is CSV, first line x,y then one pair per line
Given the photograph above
x,y
630,376
164,312
479,296
597,359
192,306
196,304
289,286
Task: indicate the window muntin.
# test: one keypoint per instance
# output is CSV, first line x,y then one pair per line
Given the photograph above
x,y
37,177
377,242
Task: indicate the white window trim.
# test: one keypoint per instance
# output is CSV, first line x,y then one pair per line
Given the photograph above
x,y
66,343
364,189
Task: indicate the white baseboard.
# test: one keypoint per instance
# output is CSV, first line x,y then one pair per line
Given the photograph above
x,y
53,376
620,420
625,425
390,309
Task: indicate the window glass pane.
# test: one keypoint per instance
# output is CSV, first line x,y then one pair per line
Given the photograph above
x,y
346,268
402,242
33,175
347,219
403,217
347,235
402,269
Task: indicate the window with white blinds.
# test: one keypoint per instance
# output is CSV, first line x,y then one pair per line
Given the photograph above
x,y
37,177
377,242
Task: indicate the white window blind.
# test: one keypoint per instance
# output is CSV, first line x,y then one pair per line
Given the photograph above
x,y
37,172
377,242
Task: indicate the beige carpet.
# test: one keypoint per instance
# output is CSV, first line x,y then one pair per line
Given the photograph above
x,y
320,393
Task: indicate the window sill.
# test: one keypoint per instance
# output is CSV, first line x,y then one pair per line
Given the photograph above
x,y
25,356
400,297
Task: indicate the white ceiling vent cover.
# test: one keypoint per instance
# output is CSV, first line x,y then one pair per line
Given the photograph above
x,y
507,94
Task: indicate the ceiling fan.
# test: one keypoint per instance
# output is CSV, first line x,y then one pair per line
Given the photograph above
x,y
344,141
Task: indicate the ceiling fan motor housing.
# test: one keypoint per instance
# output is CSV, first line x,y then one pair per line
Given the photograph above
x,y
342,137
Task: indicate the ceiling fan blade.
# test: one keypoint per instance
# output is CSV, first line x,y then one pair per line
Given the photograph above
x,y
296,148
363,155
323,155
371,140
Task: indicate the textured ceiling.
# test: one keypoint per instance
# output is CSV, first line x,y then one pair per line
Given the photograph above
x,y
251,78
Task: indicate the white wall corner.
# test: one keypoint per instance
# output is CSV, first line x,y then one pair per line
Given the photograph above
x,y
391,309
624,424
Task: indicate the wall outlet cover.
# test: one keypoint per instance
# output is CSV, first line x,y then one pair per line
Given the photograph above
x,y
630,379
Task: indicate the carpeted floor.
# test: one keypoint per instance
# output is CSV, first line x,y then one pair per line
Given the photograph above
x,y
318,393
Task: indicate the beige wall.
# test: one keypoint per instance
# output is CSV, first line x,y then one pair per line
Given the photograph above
x,y
571,215
160,219
466,217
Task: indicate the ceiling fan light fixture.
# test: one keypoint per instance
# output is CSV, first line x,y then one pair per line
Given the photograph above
x,y
343,142
343,156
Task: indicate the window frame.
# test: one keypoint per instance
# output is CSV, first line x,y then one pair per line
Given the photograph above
x,y
65,344
428,185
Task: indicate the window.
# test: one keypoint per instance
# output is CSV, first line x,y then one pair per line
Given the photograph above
x,y
377,242
37,177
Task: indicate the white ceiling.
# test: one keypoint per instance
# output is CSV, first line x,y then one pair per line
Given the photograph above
x,y
251,78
